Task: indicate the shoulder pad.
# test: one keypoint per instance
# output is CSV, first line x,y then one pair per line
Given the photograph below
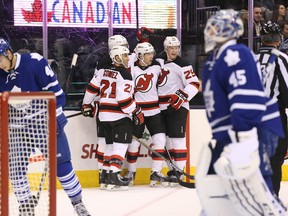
x,y
181,62
125,73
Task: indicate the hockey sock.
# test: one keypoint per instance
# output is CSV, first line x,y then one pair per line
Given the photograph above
x,y
159,143
21,189
69,181
132,155
117,157
100,151
180,152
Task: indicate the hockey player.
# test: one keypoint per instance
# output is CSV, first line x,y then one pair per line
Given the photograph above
x,y
274,65
88,110
145,73
177,85
115,87
30,73
245,126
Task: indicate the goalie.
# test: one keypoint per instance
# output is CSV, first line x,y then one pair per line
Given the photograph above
x,y
233,174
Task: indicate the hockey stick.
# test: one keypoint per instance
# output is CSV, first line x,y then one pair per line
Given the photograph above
x,y
184,184
70,76
73,115
165,159
42,181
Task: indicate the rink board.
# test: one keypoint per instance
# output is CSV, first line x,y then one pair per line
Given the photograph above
x,y
81,133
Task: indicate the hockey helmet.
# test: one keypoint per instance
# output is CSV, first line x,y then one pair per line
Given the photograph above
x,y
4,46
143,48
171,41
271,32
118,51
117,40
222,26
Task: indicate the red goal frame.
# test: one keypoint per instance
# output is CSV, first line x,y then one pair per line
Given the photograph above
x,y
4,139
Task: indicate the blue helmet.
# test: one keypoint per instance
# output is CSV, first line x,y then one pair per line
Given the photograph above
x,y
4,45
222,26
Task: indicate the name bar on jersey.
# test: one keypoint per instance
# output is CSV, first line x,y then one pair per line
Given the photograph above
x,y
94,13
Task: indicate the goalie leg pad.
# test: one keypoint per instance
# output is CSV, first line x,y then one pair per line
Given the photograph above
x,y
210,188
251,196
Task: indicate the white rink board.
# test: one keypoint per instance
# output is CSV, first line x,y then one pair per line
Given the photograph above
x,y
81,133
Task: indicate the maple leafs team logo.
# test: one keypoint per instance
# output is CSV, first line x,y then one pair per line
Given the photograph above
x,y
36,14
162,79
144,82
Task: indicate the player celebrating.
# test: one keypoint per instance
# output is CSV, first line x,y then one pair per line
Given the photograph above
x,y
30,73
145,74
115,87
245,125
103,154
177,85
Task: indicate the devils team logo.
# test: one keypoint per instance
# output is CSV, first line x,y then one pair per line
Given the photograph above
x,y
144,82
162,79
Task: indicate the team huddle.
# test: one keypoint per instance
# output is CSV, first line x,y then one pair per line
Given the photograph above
x,y
132,91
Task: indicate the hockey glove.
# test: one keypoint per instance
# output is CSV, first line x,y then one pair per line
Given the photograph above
x,y
143,34
178,99
88,110
240,159
138,116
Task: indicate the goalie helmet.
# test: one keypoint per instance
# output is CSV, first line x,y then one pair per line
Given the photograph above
x,y
171,41
117,40
223,26
143,48
4,45
118,51
271,32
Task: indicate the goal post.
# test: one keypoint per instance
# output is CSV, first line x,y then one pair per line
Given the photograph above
x,y
28,153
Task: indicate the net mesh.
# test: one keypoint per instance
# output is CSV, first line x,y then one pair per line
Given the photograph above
x,y
28,157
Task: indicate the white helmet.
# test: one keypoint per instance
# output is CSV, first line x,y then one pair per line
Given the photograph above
x,y
143,48
171,41
224,25
117,40
118,51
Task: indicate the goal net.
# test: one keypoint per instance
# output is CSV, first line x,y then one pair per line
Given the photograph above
x,y
28,154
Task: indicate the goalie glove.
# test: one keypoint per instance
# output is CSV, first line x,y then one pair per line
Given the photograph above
x,y
240,159
138,116
178,99
143,34
88,110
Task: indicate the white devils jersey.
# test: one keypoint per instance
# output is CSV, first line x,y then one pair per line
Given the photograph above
x,y
115,88
176,75
145,82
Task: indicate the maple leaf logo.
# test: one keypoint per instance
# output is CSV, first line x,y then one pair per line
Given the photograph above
x,y
36,14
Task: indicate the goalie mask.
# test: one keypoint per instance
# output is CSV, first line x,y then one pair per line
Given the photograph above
x,y
119,51
221,27
117,40
4,46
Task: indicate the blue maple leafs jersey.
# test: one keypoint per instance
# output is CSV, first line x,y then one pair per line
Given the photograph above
x,y
233,92
31,73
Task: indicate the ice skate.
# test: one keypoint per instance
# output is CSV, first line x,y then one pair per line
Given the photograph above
x,y
130,175
173,178
103,180
116,182
158,177
80,209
